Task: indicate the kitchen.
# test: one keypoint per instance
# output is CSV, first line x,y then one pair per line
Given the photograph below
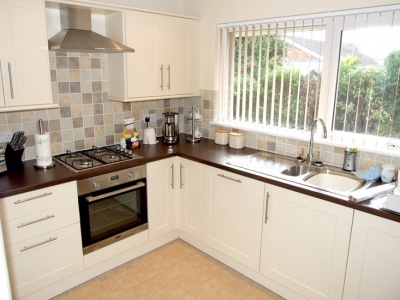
x,y
86,117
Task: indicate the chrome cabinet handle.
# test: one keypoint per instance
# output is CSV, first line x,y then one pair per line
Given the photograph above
x,y
226,177
127,189
33,198
35,221
162,77
173,181
11,81
181,176
266,207
38,244
169,77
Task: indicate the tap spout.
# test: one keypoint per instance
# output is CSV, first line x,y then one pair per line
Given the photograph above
x,y
311,145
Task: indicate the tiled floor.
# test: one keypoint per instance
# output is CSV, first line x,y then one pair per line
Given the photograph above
x,y
174,271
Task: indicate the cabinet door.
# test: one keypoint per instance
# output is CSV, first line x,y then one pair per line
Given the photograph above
x,y
305,243
162,185
144,66
192,205
45,259
24,53
234,215
179,60
373,269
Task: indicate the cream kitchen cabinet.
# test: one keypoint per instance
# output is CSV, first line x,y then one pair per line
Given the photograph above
x,y
162,189
24,57
305,243
191,198
234,207
166,59
42,237
373,268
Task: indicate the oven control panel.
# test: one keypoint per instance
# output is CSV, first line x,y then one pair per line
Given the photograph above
x,y
107,180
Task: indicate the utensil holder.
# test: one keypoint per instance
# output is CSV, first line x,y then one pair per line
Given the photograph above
x,y
13,158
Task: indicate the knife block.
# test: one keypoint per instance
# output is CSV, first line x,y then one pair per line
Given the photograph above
x,y
13,158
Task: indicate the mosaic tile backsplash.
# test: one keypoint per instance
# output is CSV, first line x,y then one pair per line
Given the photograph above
x,y
85,117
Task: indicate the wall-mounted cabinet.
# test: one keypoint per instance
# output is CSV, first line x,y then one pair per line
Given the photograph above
x,y
24,58
165,62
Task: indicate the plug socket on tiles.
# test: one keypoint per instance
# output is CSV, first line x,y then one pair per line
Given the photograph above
x,y
5,136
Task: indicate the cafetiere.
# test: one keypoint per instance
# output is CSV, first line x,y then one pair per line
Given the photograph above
x,y
171,128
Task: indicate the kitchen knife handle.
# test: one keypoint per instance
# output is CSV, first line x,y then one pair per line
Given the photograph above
x,y
11,81
162,77
266,207
169,77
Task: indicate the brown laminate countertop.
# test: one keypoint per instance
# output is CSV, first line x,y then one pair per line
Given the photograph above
x,y
206,152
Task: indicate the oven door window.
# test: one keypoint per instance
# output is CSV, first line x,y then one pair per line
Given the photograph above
x,y
115,211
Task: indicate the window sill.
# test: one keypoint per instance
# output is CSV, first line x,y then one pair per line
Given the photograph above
x,y
305,136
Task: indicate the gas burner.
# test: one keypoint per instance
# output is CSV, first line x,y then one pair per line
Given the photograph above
x,y
86,161
94,157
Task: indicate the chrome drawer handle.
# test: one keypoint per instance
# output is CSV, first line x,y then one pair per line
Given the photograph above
x,y
181,182
226,177
33,198
38,244
35,221
162,77
169,77
173,181
266,208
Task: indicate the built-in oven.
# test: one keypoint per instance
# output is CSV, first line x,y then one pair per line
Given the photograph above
x,y
112,207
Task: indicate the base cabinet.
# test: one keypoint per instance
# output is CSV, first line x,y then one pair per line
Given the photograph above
x,y
162,187
234,206
373,269
305,243
191,198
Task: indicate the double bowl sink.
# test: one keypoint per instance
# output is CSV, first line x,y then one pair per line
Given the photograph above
x,y
325,178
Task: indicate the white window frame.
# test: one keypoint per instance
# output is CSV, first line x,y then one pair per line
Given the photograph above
x,y
333,27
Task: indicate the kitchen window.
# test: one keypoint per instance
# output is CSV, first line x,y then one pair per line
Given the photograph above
x,y
277,76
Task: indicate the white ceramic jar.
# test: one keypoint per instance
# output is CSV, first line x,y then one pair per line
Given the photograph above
x,y
221,137
236,140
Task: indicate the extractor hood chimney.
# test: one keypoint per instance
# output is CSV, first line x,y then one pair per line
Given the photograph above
x,y
76,35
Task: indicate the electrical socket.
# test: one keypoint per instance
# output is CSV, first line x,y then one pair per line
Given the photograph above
x,y
5,136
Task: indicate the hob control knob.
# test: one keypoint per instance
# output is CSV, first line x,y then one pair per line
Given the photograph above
x,y
96,185
131,175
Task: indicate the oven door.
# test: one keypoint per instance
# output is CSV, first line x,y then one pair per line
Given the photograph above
x,y
112,214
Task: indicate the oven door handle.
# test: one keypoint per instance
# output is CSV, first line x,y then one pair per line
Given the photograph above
x,y
102,196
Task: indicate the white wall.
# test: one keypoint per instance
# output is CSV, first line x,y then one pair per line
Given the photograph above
x,y
170,6
213,12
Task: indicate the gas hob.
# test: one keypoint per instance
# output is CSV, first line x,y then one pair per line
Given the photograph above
x,y
96,157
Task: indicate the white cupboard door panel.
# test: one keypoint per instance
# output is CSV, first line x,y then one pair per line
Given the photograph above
x,y
143,66
234,215
192,207
45,259
27,227
305,243
373,270
25,60
161,200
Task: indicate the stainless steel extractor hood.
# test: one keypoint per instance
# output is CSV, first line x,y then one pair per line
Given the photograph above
x,y
76,35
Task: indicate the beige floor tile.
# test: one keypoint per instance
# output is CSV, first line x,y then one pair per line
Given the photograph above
x,y
101,287
174,271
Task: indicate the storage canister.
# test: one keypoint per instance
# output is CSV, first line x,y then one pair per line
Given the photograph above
x,y
236,140
221,137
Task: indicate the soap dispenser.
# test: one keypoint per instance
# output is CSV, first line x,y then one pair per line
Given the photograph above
x,y
349,162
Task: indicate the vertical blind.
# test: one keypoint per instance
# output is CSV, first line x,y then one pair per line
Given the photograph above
x,y
282,74
274,73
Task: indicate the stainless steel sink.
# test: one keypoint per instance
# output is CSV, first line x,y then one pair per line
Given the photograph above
x,y
297,170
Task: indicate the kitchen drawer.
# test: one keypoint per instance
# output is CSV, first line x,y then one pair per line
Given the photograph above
x,y
27,227
43,260
21,205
